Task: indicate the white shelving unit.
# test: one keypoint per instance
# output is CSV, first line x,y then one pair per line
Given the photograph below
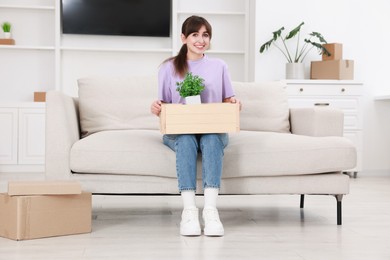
x,y
56,60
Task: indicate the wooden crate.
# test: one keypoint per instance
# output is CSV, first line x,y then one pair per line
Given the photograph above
x,y
200,119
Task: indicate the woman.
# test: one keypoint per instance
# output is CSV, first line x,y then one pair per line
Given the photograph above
x,y
196,35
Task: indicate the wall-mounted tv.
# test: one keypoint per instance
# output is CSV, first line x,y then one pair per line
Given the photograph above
x,y
116,17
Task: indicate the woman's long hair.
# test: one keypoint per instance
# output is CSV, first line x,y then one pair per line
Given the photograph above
x,y
191,24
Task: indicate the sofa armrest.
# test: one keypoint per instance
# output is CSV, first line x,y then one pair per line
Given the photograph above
x,y
62,131
317,121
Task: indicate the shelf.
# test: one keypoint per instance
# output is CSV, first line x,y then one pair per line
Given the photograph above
x,y
30,7
212,13
26,47
22,104
115,50
226,52
382,97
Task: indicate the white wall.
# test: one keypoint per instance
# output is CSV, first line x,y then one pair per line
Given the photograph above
x,y
362,27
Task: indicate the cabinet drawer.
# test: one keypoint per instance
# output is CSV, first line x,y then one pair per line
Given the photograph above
x,y
347,105
352,122
323,90
350,107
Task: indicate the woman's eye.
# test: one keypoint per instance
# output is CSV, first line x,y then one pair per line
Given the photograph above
x,y
206,35
195,35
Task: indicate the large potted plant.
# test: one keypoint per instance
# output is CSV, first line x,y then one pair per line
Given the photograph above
x,y
295,66
190,88
7,30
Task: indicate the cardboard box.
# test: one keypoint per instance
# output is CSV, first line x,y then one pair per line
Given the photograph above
x,y
39,96
332,69
7,42
30,217
336,51
43,187
200,119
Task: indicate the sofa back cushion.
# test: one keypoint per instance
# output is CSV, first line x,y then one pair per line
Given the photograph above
x,y
264,106
115,103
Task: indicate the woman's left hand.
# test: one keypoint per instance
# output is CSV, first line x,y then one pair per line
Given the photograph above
x,y
232,100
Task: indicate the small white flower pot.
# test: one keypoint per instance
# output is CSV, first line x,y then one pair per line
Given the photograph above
x,y
193,100
295,71
7,35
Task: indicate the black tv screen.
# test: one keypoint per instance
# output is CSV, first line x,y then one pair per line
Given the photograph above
x,y
116,17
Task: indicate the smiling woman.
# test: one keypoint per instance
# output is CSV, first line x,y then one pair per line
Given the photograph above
x,y
191,60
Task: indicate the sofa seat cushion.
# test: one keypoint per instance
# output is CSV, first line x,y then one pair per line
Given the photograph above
x,y
252,153
249,153
135,152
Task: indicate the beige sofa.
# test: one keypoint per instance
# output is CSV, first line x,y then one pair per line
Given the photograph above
x,y
109,141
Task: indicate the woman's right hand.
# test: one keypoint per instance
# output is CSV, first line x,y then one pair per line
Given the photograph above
x,y
155,108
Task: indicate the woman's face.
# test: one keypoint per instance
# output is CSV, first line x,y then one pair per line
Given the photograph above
x,y
197,43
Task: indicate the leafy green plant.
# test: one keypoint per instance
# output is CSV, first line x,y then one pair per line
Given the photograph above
x,y
6,27
190,86
315,40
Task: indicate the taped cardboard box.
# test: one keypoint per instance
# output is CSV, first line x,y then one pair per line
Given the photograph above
x,y
199,119
43,187
332,69
7,42
38,216
39,96
335,49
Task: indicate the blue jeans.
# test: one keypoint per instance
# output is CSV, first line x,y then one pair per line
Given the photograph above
x,y
187,146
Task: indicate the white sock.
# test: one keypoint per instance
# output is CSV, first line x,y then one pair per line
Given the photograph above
x,y
210,197
188,197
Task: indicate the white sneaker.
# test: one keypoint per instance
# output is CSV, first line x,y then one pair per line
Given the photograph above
x,y
213,226
189,225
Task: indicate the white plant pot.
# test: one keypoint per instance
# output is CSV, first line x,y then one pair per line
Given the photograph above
x,y
193,100
295,71
7,35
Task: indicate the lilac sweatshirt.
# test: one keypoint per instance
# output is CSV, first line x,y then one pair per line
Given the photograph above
x,y
214,72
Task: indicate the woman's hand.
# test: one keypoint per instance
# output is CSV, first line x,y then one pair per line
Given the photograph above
x,y
232,100
155,108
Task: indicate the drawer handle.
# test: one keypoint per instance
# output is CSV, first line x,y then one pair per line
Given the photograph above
x,y
321,104
301,90
343,90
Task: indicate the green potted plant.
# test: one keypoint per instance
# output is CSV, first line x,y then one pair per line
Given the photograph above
x,y
295,66
190,88
6,29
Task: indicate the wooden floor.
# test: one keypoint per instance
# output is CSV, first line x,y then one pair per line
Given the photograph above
x,y
256,227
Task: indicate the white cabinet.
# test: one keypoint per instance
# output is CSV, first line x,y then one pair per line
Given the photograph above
x,y
31,148
343,94
22,139
8,135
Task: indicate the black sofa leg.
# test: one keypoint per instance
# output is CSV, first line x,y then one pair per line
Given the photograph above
x,y
302,204
339,197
